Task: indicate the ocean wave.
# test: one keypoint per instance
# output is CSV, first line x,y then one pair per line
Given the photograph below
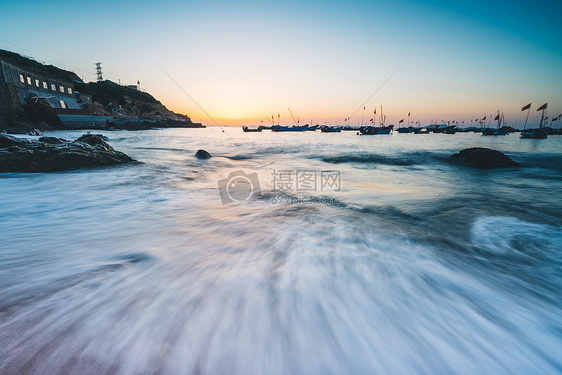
x,y
406,159
162,149
75,277
239,157
543,160
512,236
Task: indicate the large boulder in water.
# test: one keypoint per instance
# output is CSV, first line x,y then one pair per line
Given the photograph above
x,y
17,155
202,154
484,158
95,140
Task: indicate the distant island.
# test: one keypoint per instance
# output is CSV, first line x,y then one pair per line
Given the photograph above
x,y
36,97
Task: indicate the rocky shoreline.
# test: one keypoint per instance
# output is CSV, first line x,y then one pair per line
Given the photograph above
x,y
50,154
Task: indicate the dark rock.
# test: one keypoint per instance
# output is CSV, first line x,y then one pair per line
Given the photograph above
x,y
202,154
41,113
52,140
9,141
35,132
484,158
95,140
17,155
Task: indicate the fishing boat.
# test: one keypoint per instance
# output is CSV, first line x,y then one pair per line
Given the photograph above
x,y
252,130
406,130
279,128
498,130
452,129
534,134
381,129
311,128
330,129
541,132
376,129
421,130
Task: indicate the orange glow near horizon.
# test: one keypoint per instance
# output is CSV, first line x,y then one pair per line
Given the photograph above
x,y
425,116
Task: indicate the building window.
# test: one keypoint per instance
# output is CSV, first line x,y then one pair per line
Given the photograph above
x,y
61,88
62,104
29,80
53,87
69,90
45,86
22,79
37,82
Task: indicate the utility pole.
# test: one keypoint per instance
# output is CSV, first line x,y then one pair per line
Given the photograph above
x,y
99,73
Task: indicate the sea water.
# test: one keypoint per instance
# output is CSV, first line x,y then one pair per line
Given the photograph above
x,y
341,254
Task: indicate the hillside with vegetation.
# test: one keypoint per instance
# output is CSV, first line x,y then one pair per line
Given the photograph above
x,y
36,66
128,106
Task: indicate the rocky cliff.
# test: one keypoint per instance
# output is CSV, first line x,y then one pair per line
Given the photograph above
x,y
131,109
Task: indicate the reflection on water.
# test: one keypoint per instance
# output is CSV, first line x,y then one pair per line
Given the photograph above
x,y
422,267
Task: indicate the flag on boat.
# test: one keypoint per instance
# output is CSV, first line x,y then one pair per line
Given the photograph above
x,y
409,114
497,118
375,111
401,121
278,115
371,120
542,107
363,107
484,118
524,108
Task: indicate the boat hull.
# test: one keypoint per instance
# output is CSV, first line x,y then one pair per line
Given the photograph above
x,y
252,130
329,129
376,130
278,128
534,134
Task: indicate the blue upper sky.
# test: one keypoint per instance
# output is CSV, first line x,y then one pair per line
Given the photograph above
x,y
243,60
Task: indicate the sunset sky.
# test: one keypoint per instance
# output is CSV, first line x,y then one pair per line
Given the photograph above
x,y
242,61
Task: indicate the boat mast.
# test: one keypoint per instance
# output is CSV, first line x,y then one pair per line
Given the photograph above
x,y
295,121
527,118
363,116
